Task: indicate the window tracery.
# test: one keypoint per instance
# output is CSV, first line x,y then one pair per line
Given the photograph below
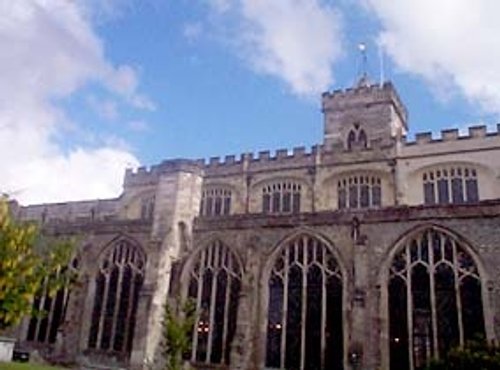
x,y
304,328
357,138
117,286
281,197
44,329
456,184
215,202
359,191
435,299
215,283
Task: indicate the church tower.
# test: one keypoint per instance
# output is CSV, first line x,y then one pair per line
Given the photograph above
x,y
358,116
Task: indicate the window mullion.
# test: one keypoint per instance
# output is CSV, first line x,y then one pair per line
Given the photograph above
x,y
285,309
433,296
103,310
226,313
323,313
457,293
43,297
212,315
409,306
128,317
50,316
199,278
117,305
304,304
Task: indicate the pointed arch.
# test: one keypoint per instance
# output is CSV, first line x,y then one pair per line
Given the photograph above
x,y
351,139
304,298
212,278
117,283
434,294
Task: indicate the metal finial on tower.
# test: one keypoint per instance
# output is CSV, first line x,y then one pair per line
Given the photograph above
x,y
363,73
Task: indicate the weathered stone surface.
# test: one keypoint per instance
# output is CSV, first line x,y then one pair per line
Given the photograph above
x,y
363,240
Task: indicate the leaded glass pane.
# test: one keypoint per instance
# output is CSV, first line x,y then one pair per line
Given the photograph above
x,y
304,328
445,301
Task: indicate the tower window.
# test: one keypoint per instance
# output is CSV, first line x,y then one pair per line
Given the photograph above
x,y
357,138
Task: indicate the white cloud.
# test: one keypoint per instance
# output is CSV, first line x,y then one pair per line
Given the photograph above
x,y
106,109
295,40
453,44
53,52
138,126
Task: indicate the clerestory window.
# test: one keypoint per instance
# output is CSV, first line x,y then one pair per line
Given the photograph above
x,y
215,202
455,185
359,191
281,197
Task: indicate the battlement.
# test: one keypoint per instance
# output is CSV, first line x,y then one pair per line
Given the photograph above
x,y
363,96
451,135
149,175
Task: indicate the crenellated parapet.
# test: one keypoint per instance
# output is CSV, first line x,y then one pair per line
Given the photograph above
x,y
263,160
452,135
143,176
353,98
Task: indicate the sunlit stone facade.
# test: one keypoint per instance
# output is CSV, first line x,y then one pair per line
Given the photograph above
x,y
367,251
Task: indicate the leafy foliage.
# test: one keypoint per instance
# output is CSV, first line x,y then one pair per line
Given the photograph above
x,y
478,355
28,262
177,329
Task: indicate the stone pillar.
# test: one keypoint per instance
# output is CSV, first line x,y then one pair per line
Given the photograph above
x,y
177,202
359,332
71,336
245,347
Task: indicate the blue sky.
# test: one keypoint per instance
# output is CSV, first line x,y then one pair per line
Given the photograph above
x,y
91,87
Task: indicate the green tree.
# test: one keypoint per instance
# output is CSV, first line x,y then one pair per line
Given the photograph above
x,y
476,355
28,262
177,329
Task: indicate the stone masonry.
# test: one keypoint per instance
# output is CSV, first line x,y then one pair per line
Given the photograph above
x,y
361,195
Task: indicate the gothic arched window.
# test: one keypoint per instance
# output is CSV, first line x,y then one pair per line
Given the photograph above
x,y
435,299
351,139
215,282
117,286
304,328
44,329
357,138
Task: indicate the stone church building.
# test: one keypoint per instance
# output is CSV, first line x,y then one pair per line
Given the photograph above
x,y
366,251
